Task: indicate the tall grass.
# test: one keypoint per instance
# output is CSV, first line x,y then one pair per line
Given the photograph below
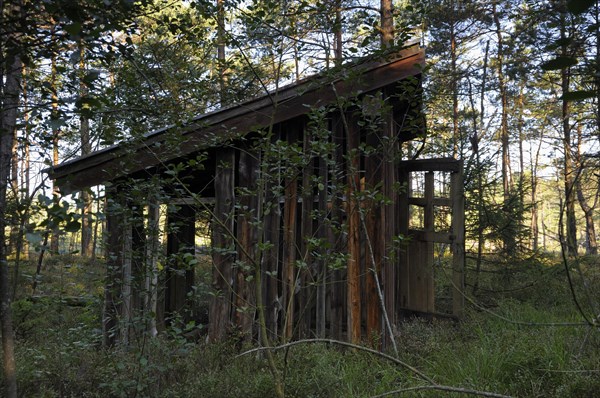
x,y
59,352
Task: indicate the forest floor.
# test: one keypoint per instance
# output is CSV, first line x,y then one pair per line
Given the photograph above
x,y
512,341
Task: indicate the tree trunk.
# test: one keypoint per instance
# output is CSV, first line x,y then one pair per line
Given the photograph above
x,y
387,23
568,172
12,68
54,241
454,84
86,147
509,238
591,246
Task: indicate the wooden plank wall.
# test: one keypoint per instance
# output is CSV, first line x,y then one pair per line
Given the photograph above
x,y
220,307
351,219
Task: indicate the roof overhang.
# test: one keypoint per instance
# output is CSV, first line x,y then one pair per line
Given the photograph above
x,y
210,129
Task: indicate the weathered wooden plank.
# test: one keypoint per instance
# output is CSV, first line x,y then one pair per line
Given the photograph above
x,y
290,214
337,277
114,266
220,305
181,227
431,236
126,316
437,164
324,233
151,258
429,291
435,201
389,222
458,244
307,278
353,222
373,218
403,223
247,238
271,261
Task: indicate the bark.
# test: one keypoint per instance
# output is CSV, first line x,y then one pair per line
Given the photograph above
x,y
86,147
534,201
454,84
54,240
591,246
337,31
221,48
478,126
12,72
568,172
509,239
387,23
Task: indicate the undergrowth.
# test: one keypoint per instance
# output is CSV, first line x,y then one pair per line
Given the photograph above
x,y
494,348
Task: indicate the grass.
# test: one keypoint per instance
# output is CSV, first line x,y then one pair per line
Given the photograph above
x,y
59,352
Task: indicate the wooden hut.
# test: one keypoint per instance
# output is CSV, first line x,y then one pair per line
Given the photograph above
x,y
319,227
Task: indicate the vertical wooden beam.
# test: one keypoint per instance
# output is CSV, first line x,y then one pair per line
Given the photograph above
x,y
127,278
222,245
247,237
458,243
289,244
404,219
337,289
373,175
389,223
306,297
353,222
138,266
151,257
114,266
323,233
181,226
270,258
428,294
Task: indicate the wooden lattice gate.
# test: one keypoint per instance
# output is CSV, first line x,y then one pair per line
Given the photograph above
x,y
431,211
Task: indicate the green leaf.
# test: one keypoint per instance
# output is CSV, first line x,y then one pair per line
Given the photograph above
x,y
578,95
579,6
559,63
73,29
72,226
33,238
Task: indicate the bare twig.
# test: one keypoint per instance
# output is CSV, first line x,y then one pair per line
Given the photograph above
x,y
437,387
345,344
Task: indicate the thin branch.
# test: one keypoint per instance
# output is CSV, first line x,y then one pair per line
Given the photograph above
x,y
437,387
345,344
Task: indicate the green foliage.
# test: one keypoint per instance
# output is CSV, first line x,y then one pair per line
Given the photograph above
x,y
59,352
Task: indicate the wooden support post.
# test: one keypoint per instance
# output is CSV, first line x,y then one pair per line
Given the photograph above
x,y
337,289
404,219
307,276
323,233
114,266
373,176
353,222
152,252
245,301
289,245
181,227
125,326
270,260
428,292
138,268
222,246
458,243
389,222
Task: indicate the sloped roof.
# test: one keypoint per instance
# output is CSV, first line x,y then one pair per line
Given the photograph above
x,y
209,129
